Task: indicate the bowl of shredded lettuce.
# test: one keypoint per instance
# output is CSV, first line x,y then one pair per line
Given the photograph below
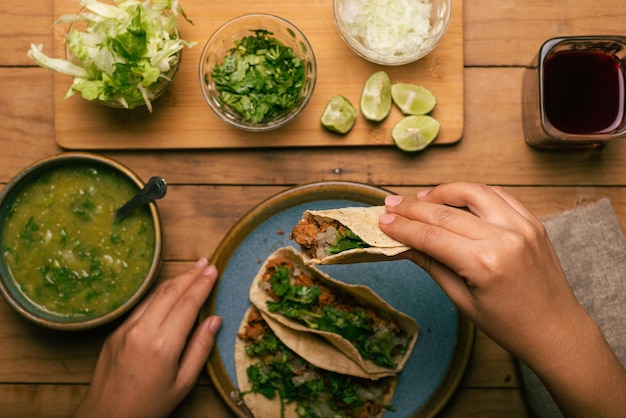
x,y
257,72
121,54
392,32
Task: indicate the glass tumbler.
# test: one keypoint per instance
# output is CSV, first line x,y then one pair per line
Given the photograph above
x,y
573,92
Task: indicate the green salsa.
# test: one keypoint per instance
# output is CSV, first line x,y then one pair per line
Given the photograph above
x,y
64,249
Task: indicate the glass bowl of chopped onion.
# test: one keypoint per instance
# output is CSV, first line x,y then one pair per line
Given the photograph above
x,y
392,32
257,72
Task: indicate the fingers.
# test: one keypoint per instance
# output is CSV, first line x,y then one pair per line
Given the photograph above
x,y
174,305
198,349
516,204
181,319
170,292
441,232
435,214
478,198
138,311
490,203
184,313
460,242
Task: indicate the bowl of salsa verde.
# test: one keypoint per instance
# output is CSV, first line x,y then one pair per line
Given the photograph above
x,y
66,262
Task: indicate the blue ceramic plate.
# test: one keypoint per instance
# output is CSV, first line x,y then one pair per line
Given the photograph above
x,y
446,338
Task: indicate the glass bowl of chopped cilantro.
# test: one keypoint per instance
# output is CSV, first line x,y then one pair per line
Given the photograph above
x,y
257,72
392,32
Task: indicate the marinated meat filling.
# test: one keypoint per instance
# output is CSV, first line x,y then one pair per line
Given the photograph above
x,y
319,238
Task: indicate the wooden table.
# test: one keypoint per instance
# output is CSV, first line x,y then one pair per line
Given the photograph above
x,y
44,373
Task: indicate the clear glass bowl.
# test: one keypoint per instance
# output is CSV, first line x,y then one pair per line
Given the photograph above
x,y
156,89
223,40
375,31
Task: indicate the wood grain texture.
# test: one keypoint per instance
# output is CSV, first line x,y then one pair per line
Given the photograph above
x,y
510,33
493,150
59,401
44,374
182,119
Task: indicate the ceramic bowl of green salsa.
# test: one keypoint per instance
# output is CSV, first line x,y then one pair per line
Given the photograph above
x,y
66,262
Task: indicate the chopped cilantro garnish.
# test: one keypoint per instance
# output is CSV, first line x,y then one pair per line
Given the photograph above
x,y
280,371
378,341
347,241
260,78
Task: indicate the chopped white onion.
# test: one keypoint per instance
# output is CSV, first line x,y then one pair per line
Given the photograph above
x,y
388,27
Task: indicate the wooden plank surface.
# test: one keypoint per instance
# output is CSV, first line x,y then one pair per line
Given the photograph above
x,y
44,374
182,119
59,402
506,33
493,150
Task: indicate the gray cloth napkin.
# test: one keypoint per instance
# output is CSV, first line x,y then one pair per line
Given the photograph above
x,y
592,250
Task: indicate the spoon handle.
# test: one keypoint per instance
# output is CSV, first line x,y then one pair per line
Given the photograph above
x,y
155,188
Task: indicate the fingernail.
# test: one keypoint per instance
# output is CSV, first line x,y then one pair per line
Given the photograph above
x,y
215,323
386,219
422,193
209,271
393,200
202,262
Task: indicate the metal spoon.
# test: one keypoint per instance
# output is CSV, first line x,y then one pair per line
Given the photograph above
x,y
154,189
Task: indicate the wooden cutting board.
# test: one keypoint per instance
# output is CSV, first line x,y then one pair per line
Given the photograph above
x,y
181,119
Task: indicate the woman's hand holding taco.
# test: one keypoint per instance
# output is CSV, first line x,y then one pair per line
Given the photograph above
x,y
494,259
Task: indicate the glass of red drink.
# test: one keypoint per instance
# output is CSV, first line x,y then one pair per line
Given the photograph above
x,y
573,92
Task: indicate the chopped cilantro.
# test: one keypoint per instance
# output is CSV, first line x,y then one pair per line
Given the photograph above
x,y
347,241
280,371
378,341
260,78
29,232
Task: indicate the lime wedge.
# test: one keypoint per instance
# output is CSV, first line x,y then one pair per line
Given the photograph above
x,y
414,133
338,115
376,97
413,99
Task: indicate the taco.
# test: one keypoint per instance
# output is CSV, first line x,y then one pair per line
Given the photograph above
x,y
352,319
317,350
274,381
346,235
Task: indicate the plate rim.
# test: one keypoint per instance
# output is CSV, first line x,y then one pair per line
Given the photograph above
x,y
310,192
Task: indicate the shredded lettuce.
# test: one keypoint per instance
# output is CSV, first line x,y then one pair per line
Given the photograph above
x,y
124,54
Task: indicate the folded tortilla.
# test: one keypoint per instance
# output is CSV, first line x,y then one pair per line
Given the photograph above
x,y
379,391
259,405
316,240
323,348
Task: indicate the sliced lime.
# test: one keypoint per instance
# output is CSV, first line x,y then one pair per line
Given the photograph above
x,y
414,133
338,115
413,99
376,97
